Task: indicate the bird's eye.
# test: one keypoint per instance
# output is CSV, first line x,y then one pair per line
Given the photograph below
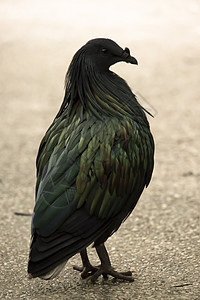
x,y
104,51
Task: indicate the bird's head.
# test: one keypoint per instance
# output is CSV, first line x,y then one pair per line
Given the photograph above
x,y
103,53
89,71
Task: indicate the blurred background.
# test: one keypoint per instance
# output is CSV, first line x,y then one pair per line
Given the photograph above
x,y
37,42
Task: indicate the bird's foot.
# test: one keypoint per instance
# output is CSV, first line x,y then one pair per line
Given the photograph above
x,y
108,270
87,270
92,273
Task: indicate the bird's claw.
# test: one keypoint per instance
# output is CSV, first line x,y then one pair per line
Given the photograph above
x,y
86,271
105,271
77,268
110,271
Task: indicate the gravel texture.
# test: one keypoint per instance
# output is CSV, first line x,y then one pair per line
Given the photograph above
x,y
160,240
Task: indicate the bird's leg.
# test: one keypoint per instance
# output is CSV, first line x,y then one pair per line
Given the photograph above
x,y
87,269
106,268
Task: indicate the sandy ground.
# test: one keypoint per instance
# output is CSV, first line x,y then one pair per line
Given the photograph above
x,y
160,240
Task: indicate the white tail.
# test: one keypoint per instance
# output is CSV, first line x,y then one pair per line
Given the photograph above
x,y
53,273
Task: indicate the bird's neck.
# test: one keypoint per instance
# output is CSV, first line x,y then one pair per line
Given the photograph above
x,y
101,95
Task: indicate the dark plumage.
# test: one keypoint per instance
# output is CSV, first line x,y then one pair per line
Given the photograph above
x,y
92,165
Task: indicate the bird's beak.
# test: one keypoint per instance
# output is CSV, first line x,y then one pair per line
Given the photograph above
x,y
128,58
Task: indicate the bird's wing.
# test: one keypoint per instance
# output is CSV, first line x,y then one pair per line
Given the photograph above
x,y
57,164
99,166
88,173
116,164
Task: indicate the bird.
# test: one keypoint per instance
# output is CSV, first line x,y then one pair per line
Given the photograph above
x,y
93,164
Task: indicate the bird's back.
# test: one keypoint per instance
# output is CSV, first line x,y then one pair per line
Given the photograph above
x,y
91,173
92,166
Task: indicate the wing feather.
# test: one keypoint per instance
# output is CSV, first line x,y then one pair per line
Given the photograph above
x,y
88,173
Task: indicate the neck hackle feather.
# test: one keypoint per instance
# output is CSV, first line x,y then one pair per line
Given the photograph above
x,y
100,93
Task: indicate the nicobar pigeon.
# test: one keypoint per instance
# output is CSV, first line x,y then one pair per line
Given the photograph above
x,y
92,165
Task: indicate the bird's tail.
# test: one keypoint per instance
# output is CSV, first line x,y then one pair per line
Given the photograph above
x,y
49,254
53,273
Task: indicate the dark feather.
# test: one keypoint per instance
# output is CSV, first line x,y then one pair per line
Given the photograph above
x,y
93,162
